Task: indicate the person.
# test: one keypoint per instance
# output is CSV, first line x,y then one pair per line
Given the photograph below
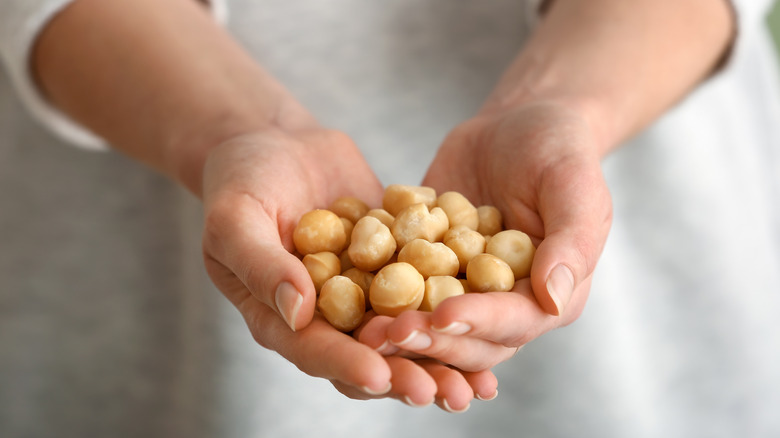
x,y
165,85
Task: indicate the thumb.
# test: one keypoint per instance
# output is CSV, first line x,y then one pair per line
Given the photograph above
x,y
252,253
576,211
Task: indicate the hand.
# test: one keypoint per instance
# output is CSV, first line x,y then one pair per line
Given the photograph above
x,y
538,164
255,188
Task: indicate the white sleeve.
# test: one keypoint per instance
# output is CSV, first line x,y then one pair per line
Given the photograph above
x,y
20,23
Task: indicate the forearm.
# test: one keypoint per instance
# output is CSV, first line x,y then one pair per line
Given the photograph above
x,y
622,63
159,80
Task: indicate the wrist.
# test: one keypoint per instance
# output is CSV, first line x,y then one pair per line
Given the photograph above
x,y
619,65
187,148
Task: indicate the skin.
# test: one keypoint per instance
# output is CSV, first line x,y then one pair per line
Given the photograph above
x,y
236,139
594,74
590,77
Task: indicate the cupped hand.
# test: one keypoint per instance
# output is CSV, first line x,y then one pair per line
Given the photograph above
x,y
255,188
539,165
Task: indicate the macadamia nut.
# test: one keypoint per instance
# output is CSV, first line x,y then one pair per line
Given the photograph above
x,y
342,303
349,207
430,259
465,243
321,266
318,231
416,222
515,248
396,287
488,273
458,209
397,197
383,216
490,220
439,288
348,226
362,279
372,244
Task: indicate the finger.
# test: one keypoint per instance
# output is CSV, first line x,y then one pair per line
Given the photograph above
x,y
510,318
411,331
453,394
483,383
411,383
239,235
374,334
576,210
318,350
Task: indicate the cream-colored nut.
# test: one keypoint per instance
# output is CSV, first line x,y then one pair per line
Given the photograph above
x,y
349,207
348,226
321,266
383,216
490,220
396,287
318,231
515,248
439,288
346,263
416,222
397,197
372,244
362,279
342,303
488,273
430,259
465,243
459,210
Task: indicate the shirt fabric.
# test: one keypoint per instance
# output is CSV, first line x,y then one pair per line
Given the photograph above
x,y
110,327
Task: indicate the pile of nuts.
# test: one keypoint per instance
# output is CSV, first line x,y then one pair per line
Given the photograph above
x,y
412,254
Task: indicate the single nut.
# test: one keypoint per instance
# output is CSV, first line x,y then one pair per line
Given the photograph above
x,y
321,266
430,259
516,249
490,220
349,207
318,231
488,273
459,210
362,279
465,243
342,303
439,288
372,244
348,226
396,287
397,197
416,222
346,263
383,216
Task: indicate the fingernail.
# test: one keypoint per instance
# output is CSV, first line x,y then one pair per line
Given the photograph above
x,y
409,402
455,328
449,409
415,341
288,302
370,391
560,286
479,397
386,349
